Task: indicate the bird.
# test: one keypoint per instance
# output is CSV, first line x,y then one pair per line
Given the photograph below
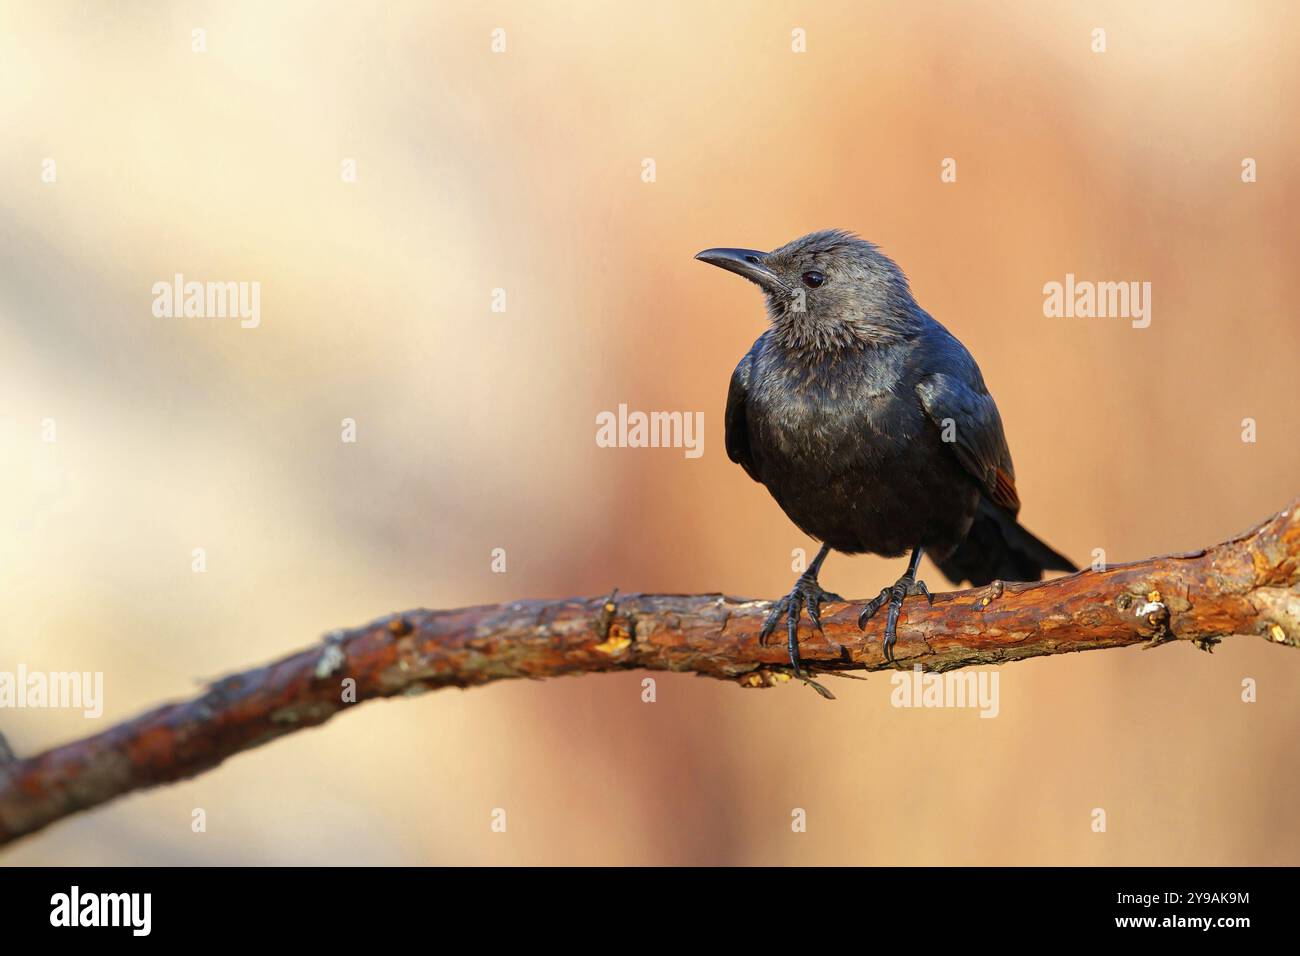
x,y
872,427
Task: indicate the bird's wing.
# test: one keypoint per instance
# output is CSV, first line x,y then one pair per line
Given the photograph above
x,y
976,433
737,424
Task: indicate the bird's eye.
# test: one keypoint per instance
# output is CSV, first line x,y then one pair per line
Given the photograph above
x,y
813,279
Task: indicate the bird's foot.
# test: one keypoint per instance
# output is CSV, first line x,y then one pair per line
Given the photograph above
x,y
893,596
807,593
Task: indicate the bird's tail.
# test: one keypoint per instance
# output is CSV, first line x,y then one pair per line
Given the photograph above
x,y
998,549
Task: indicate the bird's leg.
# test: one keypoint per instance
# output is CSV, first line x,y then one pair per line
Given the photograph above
x,y
807,593
907,584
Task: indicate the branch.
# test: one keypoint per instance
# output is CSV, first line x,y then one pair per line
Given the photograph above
x,y
1249,585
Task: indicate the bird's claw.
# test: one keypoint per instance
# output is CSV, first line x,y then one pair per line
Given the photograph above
x,y
814,605
807,593
893,596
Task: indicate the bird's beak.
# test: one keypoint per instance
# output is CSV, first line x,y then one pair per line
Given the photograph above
x,y
749,263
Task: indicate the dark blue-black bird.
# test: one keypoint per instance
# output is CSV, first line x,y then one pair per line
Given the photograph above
x,y
871,426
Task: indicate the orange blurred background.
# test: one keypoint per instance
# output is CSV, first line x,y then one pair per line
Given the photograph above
x,y
522,170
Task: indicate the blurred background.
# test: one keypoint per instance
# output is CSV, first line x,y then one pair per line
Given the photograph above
x,y
522,170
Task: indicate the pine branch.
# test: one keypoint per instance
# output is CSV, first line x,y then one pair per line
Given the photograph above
x,y
1248,585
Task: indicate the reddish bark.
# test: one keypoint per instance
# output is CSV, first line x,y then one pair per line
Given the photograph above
x,y
1248,585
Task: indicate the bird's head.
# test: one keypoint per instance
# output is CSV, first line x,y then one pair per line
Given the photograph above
x,y
826,290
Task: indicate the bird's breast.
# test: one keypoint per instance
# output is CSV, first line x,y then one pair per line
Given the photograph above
x,y
825,418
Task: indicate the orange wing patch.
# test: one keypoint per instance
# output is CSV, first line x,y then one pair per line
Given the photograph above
x,y
1004,490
